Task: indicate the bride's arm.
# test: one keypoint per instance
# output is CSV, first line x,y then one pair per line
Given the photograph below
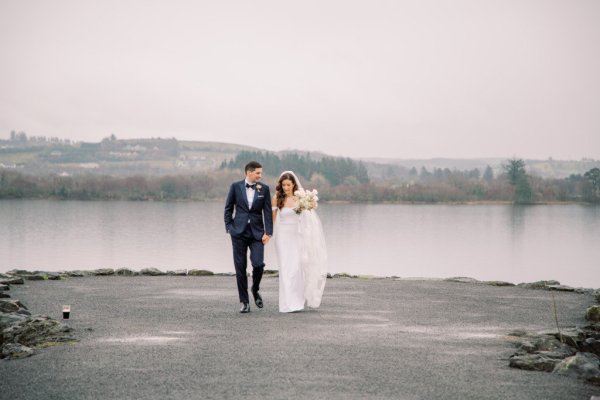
x,y
274,208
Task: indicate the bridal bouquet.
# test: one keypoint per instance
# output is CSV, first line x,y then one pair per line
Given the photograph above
x,y
307,200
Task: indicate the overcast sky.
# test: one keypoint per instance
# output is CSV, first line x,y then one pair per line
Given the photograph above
x,y
405,79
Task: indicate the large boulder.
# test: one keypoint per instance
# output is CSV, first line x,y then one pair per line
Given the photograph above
x,y
539,284
538,352
54,276
126,272
13,351
104,272
591,345
593,314
574,336
19,272
152,272
35,277
12,281
13,306
458,279
78,274
561,288
534,362
19,335
200,272
177,272
4,295
270,273
546,345
7,319
35,331
344,275
499,283
582,365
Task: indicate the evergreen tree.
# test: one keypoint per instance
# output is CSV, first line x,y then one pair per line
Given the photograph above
x,y
593,175
515,169
523,193
593,178
517,176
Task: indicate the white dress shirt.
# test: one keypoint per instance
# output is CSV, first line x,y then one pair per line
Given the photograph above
x,y
250,193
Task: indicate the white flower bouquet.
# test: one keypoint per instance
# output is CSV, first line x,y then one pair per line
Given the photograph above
x,y
307,200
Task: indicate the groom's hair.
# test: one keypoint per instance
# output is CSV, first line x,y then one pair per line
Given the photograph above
x,y
251,166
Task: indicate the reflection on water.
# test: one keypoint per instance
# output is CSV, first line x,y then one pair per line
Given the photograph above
x,y
489,242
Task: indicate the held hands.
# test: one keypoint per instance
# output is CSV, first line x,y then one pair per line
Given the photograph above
x,y
266,238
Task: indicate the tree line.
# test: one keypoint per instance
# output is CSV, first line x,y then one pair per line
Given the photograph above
x,y
22,138
514,184
335,171
15,185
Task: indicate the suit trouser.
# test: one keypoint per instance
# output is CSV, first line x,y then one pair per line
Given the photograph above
x,y
241,244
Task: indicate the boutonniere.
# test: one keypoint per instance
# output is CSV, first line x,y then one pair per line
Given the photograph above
x,y
258,187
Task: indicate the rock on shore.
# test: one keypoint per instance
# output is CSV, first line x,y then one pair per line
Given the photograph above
x,y
21,333
582,365
573,352
12,281
200,272
593,314
152,272
177,272
126,272
104,272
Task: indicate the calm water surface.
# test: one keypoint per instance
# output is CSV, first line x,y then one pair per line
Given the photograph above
x,y
488,242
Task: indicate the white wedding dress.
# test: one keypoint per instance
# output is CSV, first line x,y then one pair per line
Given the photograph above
x,y
302,257
291,276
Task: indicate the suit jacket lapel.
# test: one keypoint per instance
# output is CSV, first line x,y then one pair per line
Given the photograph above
x,y
244,195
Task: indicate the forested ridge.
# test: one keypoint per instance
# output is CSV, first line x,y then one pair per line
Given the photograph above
x,y
168,169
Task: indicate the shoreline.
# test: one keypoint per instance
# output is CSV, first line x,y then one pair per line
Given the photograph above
x,y
39,275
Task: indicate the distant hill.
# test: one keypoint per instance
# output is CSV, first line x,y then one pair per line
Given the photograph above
x,y
431,163
116,157
549,168
159,156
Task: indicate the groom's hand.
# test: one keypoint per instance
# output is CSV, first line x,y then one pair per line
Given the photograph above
x,y
266,238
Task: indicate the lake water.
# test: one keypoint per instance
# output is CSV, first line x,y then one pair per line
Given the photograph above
x,y
487,242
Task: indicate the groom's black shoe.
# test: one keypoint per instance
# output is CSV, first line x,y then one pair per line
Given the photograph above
x,y
245,308
257,299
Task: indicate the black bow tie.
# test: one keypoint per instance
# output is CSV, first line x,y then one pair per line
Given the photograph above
x,y
253,186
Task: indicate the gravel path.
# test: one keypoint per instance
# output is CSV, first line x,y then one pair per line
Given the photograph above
x,y
183,338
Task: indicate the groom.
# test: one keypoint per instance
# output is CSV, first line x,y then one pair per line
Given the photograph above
x,y
250,228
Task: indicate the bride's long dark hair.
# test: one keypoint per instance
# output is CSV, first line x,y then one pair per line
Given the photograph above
x,y
279,189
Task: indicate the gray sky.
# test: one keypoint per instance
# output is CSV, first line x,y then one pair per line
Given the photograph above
x,y
406,79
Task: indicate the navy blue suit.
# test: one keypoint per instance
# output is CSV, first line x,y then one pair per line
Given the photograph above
x,y
247,228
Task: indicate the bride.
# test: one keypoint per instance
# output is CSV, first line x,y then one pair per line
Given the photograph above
x,y
300,246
